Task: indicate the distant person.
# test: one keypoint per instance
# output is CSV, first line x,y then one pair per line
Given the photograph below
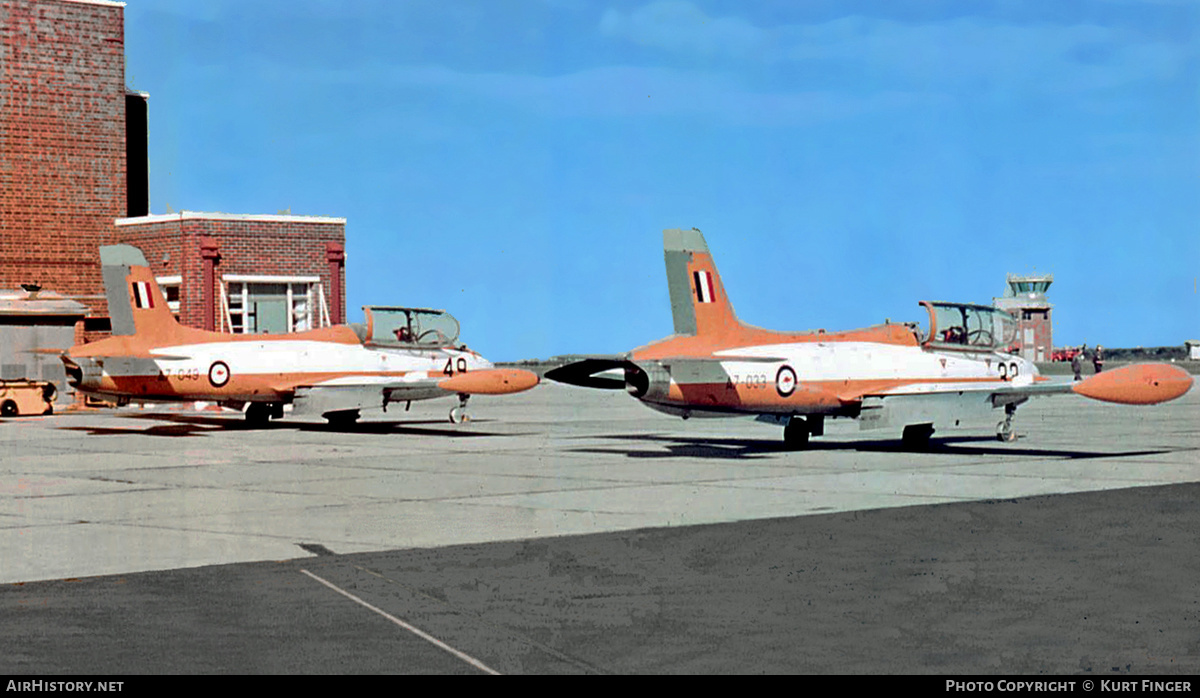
x,y
1098,358
1077,365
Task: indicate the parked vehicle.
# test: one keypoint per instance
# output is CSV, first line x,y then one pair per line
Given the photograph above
x,y
1064,353
26,397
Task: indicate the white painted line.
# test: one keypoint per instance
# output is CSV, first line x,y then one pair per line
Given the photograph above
x,y
414,630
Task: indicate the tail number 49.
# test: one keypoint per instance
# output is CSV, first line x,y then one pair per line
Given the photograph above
x,y
1008,371
455,366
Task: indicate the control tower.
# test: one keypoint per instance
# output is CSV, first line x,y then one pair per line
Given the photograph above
x,y
1026,300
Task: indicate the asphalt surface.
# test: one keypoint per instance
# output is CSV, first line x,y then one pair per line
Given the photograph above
x,y
571,531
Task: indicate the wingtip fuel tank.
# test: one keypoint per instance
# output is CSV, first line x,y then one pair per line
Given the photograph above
x,y
1139,384
496,381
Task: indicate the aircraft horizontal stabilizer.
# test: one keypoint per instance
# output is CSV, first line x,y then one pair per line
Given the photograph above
x,y
1139,384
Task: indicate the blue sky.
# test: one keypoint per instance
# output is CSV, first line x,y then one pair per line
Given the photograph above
x,y
515,161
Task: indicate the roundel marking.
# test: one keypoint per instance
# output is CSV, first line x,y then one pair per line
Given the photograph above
x,y
218,374
785,381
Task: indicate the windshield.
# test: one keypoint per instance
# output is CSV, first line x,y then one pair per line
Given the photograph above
x,y
410,326
965,326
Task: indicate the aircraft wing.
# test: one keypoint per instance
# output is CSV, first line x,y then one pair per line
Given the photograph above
x,y
359,392
1138,384
947,402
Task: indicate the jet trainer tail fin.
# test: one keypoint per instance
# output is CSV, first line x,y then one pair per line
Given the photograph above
x,y
698,301
135,304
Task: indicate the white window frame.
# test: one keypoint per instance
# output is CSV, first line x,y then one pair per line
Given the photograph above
x,y
314,314
177,281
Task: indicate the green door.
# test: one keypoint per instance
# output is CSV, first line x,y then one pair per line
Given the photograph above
x,y
270,315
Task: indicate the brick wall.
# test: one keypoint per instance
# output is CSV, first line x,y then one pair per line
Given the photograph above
x,y
251,244
1042,334
63,173
62,141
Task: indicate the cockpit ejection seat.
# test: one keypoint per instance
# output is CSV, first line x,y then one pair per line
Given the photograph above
x,y
968,327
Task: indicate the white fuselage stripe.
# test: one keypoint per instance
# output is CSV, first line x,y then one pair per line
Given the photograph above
x,y
860,361
274,357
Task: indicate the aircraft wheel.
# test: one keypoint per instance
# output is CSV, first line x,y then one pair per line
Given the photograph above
x,y
795,434
458,415
1005,433
342,418
916,436
8,409
258,413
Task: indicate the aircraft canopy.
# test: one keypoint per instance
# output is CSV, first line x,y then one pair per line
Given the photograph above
x,y
410,327
968,327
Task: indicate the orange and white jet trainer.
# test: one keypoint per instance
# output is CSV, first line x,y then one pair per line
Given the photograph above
x,y
398,355
956,371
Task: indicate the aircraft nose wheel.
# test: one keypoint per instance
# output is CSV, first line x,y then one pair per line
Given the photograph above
x,y
458,415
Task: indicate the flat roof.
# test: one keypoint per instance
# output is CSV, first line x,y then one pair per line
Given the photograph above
x,y
41,303
199,215
105,3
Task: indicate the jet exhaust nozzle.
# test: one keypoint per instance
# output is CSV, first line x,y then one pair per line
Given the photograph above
x,y
637,381
74,372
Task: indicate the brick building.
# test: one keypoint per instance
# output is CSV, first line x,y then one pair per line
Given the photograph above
x,y
63,141
252,273
74,176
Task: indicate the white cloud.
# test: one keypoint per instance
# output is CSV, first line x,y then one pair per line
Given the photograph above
x,y
969,52
962,53
626,91
680,25
830,70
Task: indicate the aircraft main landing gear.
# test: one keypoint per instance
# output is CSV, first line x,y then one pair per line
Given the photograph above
x,y
342,418
916,436
260,413
1005,430
458,415
795,434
